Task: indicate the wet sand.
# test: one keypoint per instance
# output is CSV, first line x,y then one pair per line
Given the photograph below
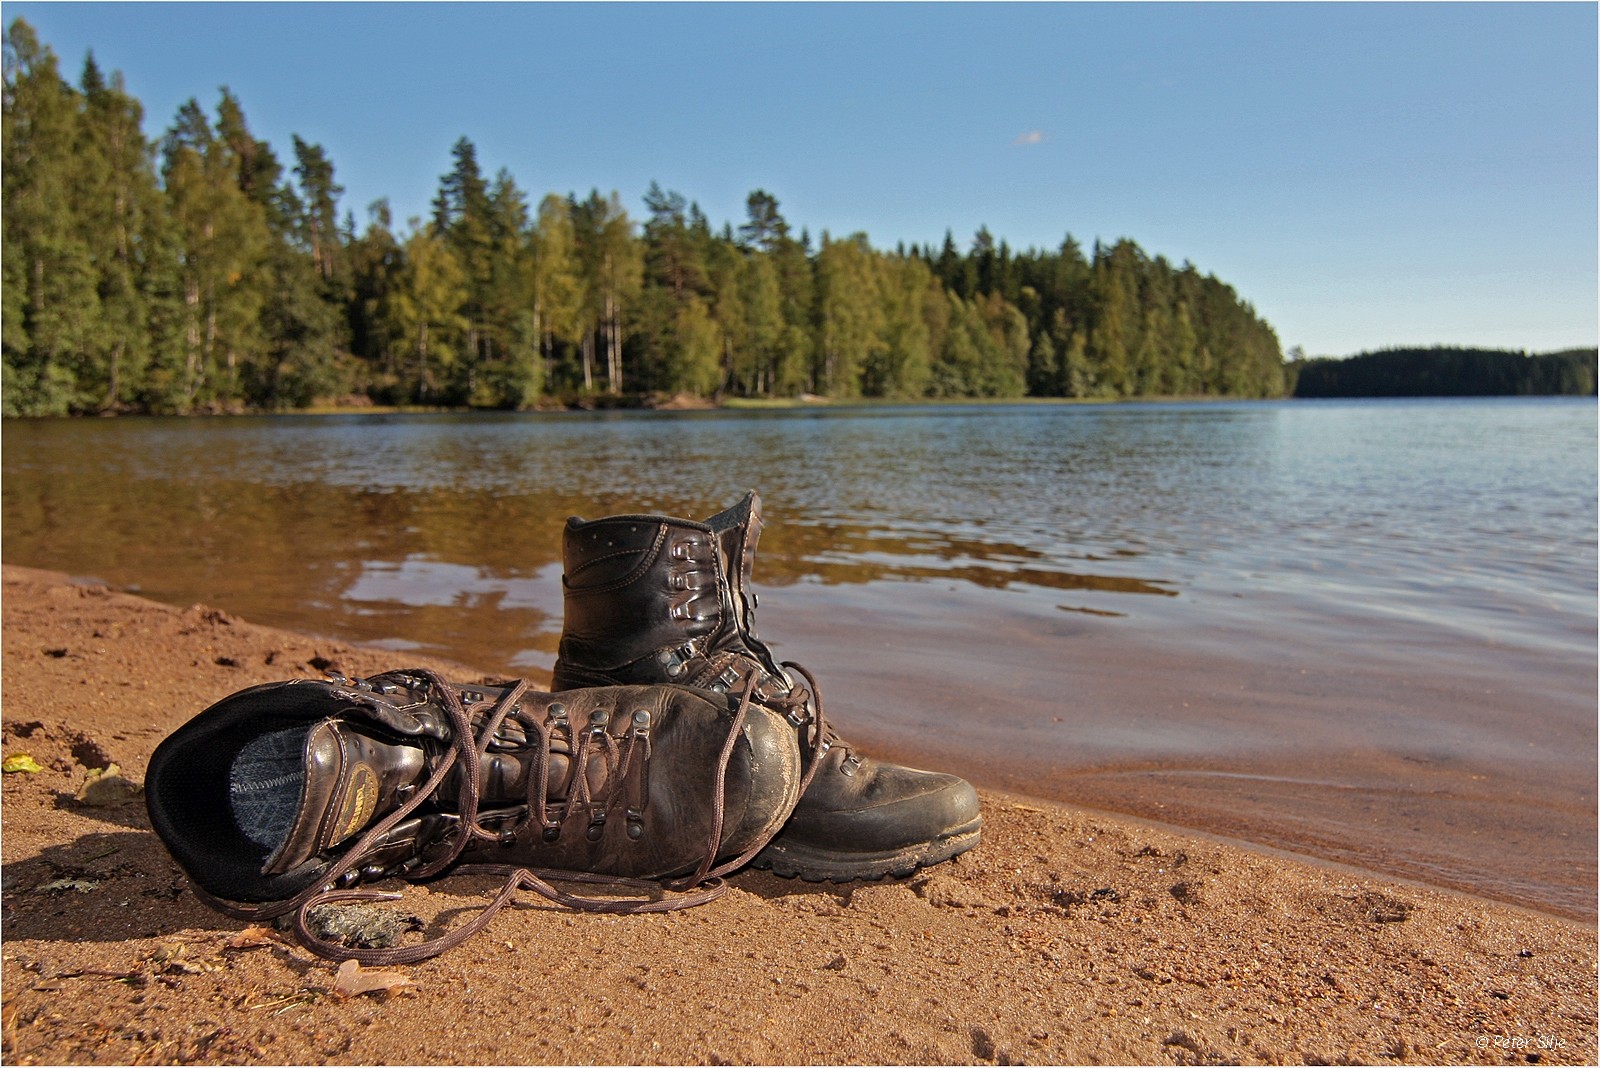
x,y
1067,937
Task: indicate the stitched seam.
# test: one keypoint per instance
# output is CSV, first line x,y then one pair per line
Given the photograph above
x,y
259,785
602,559
636,574
607,676
721,579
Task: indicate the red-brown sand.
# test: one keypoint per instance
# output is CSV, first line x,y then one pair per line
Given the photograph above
x,y
1067,937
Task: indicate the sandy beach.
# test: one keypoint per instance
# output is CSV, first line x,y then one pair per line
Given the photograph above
x,y
1069,936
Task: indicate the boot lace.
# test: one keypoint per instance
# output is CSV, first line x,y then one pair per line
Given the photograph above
x,y
800,705
627,766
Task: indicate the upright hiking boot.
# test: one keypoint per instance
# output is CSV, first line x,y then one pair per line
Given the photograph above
x,y
284,795
656,599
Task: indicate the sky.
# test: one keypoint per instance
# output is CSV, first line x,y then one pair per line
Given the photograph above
x,y
1364,175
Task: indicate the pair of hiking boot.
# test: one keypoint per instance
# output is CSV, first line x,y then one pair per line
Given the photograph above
x,y
673,750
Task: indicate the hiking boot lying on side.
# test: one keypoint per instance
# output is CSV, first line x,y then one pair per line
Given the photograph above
x,y
278,798
656,599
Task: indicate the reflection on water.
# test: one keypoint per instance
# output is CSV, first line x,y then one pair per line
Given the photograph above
x,y
1477,517
1440,540
405,529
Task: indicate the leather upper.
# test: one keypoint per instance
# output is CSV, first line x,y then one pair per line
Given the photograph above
x,y
641,801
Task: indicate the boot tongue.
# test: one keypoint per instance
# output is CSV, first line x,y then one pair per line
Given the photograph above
x,y
298,792
737,531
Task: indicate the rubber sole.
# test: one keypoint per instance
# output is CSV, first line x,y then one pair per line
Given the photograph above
x,y
793,860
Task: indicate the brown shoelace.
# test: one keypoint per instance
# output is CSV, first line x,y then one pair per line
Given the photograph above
x,y
801,706
704,885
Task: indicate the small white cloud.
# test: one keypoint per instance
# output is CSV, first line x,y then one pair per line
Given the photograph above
x,y
1032,137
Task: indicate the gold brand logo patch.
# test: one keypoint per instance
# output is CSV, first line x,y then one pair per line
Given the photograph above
x,y
360,799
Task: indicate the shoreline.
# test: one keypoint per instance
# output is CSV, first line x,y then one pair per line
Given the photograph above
x,y
1273,800
688,402
1069,935
884,745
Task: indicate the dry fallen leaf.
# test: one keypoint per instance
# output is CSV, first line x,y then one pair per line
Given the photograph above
x,y
353,979
181,957
20,762
106,787
253,938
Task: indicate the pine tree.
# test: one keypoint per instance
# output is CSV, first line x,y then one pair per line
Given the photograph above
x,y
773,354
764,227
51,303
1044,368
1184,379
674,257
510,373
1004,370
726,267
557,288
320,195
901,366
375,263
755,365
983,259
612,265
303,333
461,218
675,276
1151,366
214,193
1114,335
124,222
426,313
849,314
696,365
797,302
303,318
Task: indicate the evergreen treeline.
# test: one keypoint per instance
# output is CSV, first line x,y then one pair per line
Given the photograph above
x,y
201,273
1443,371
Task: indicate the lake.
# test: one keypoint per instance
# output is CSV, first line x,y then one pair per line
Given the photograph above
x,y
1364,630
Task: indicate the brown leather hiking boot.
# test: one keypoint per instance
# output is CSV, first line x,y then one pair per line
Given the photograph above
x,y
279,797
658,599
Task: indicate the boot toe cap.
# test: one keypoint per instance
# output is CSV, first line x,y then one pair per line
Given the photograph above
x,y
884,807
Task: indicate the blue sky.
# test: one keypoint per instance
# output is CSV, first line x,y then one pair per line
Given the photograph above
x,y
1365,175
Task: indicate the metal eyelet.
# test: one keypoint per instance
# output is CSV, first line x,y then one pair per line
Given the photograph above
x,y
671,661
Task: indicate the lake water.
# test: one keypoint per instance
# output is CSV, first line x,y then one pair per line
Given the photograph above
x,y
1360,630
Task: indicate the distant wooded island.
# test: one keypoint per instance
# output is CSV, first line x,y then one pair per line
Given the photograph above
x,y
1443,371
195,275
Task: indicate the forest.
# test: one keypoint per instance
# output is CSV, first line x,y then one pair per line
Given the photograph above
x,y
1443,371
204,273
